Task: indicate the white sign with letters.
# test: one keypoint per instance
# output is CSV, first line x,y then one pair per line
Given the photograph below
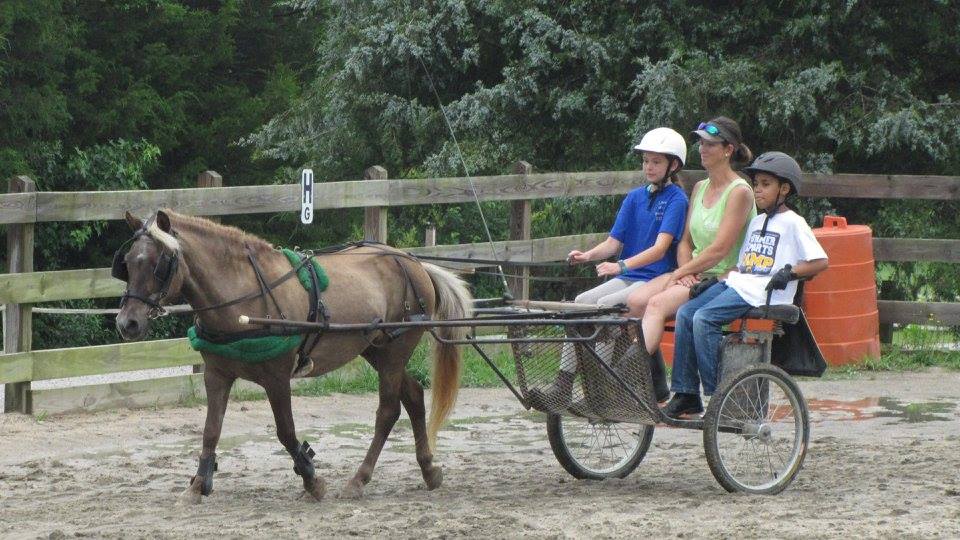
x,y
306,197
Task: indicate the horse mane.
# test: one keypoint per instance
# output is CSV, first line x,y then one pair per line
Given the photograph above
x,y
230,239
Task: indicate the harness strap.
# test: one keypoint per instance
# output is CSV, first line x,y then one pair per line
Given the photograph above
x,y
408,285
250,296
222,338
317,310
264,289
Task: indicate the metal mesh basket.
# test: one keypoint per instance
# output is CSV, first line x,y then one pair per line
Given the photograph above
x,y
586,368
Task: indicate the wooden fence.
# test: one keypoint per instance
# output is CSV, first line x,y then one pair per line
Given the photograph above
x,y
22,287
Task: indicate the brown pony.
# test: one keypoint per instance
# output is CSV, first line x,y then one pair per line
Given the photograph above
x,y
208,265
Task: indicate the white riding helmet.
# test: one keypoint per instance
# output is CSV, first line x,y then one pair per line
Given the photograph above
x,y
664,140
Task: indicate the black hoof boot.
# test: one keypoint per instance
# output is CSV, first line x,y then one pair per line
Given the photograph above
x,y
556,397
208,466
681,404
303,460
658,370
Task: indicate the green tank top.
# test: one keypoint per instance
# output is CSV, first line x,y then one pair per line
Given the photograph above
x,y
704,223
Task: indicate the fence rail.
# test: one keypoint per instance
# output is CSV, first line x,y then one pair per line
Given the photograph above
x,y
38,287
21,209
220,201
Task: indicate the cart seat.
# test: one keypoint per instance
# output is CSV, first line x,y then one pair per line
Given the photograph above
x,y
787,313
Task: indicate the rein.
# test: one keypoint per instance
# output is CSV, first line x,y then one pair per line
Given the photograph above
x,y
165,270
119,271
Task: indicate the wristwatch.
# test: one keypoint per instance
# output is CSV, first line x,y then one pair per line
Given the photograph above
x,y
623,266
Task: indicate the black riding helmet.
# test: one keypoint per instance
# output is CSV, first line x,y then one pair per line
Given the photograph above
x,y
782,166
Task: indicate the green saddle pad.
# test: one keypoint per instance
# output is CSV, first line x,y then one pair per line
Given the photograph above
x,y
261,349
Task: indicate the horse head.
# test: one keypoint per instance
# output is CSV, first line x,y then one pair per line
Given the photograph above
x,y
152,270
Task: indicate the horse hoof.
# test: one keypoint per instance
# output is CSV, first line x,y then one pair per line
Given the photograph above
x,y
316,487
192,495
351,491
434,478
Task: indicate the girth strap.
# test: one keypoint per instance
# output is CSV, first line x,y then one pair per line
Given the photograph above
x,y
318,311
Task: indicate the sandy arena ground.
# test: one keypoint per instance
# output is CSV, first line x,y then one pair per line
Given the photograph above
x,y
884,461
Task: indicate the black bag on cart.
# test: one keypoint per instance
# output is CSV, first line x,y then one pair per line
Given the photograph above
x,y
796,351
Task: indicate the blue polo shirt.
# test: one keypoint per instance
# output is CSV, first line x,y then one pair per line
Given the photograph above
x,y
637,227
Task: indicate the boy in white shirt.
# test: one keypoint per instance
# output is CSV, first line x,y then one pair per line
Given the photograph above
x,y
779,248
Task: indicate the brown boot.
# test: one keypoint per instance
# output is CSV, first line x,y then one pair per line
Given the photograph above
x,y
658,370
556,397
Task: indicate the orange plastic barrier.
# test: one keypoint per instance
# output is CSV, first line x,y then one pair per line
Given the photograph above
x,y
841,302
666,346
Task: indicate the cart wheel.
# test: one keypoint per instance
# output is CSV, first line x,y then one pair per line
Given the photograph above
x,y
595,449
756,431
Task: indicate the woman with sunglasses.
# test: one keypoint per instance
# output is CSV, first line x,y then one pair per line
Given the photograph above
x,y
721,206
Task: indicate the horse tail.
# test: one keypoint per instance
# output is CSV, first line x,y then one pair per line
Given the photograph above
x,y
454,301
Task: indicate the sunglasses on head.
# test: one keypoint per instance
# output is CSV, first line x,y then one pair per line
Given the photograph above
x,y
709,128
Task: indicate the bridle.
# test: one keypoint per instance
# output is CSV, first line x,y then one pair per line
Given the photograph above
x,y
164,272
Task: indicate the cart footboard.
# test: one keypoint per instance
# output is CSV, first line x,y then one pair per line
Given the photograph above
x,y
588,368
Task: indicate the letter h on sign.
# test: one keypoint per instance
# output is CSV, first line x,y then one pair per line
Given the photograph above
x,y
306,197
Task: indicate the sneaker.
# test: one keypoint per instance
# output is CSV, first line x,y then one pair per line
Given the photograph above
x,y
681,404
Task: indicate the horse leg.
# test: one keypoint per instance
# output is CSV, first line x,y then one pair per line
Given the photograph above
x,y
411,394
278,393
218,386
387,414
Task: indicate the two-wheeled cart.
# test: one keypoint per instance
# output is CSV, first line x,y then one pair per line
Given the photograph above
x,y
755,428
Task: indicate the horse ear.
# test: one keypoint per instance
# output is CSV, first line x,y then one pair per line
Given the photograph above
x,y
163,221
133,221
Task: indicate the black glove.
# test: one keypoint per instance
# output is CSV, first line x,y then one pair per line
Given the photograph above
x,y
781,278
701,286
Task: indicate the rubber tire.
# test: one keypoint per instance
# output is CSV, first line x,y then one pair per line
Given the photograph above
x,y
711,421
576,469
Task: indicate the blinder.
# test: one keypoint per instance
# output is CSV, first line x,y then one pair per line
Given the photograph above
x,y
119,268
164,272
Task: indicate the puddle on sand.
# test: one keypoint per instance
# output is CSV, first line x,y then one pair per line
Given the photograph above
x,y
882,407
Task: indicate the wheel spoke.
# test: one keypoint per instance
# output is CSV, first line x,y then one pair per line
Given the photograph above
x,y
764,454
597,449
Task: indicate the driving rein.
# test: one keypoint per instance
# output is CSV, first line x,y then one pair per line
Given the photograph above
x,y
166,269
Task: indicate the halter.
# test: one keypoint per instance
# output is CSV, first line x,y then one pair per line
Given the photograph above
x,y
166,268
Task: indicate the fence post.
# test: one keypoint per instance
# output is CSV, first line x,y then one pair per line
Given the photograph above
x,y
18,323
375,217
520,230
208,179
430,235
886,333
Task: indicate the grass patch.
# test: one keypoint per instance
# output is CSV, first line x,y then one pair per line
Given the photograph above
x,y
246,393
359,377
915,348
896,359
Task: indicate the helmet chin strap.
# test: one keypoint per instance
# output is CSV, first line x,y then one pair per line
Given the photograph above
x,y
770,211
659,184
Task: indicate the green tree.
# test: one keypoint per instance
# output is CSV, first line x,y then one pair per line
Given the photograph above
x,y
845,86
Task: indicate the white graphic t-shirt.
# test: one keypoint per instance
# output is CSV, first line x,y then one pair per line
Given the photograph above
x,y
788,240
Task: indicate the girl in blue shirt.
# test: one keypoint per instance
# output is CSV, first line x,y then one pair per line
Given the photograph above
x,y
644,237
